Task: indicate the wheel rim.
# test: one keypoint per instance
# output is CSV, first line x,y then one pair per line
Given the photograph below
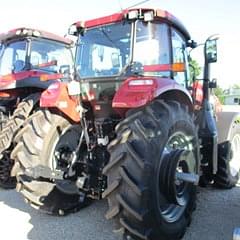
x,y
235,150
176,194
61,156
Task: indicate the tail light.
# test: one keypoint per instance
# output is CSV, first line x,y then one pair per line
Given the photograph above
x,y
141,82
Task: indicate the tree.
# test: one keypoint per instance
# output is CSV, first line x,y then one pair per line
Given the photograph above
x,y
236,86
219,92
195,69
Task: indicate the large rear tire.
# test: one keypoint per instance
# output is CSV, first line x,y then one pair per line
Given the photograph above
x,y
40,143
153,145
6,181
9,128
6,164
229,160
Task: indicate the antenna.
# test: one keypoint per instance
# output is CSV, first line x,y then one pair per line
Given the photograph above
x,y
139,3
134,5
120,5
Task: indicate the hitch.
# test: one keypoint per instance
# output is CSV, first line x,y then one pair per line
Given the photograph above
x,y
44,172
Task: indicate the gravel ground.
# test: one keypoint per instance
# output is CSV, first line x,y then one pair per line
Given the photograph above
x,y
217,214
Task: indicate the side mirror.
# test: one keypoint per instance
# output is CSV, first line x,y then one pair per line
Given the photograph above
x,y
192,44
65,70
213,83
211,50
137,68
76,29
18,66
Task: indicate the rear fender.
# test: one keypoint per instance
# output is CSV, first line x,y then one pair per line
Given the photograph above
x,y
133,94
56,96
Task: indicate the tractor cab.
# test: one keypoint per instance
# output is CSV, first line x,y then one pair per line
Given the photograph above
x,y
27,58
138,50
24,50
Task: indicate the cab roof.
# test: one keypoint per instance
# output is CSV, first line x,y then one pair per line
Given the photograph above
x,y
117,17
23,32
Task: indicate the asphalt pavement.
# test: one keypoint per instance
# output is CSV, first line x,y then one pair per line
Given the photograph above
x,y
216,216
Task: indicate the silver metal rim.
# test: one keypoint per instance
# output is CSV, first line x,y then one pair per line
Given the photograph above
x,y
235,161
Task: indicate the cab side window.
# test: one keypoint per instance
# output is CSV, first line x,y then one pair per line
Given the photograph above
x,y
152,48
180,74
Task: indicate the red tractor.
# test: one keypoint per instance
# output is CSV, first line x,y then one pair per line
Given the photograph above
x,y
26,56
128,128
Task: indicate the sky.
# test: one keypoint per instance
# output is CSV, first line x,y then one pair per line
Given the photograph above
x,y
201,18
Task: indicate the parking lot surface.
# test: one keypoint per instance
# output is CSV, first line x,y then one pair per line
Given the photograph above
x,y
216,216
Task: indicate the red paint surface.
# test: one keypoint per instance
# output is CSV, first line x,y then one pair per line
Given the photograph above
x,y
56,96
198,92
9,79
157,68
12,78
159,14
137,96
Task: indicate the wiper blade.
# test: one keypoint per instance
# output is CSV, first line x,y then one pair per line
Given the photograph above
x,y
132,68
109,39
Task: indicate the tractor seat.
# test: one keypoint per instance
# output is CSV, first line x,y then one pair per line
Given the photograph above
x,y
18,66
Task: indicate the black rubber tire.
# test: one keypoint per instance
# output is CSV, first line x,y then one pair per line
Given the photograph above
x,y
133,171
12,121
224,178
228,150
36,142
3,119
6,163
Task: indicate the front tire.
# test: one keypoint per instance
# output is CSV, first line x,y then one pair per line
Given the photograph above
x,y
227,174
152,145
229,161
40,143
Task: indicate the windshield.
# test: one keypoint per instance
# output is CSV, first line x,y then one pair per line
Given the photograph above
x,y
43,54
49,55
104,51
13,57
